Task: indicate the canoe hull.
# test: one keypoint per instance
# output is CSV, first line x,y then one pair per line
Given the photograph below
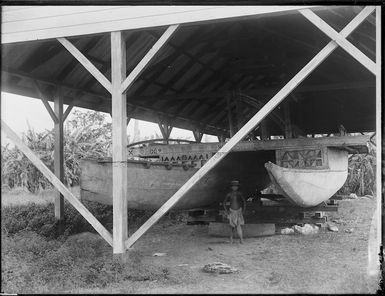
x,y
149,188
310,187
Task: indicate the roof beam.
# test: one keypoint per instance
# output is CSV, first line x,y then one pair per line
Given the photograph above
x,y
86,63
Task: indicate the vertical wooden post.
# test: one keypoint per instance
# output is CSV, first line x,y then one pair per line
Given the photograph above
x,y
264,132
221,138
379,130
287,119
59,153
119,143
230,116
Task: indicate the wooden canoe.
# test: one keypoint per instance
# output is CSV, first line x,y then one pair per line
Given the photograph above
x,y
152,183
309,187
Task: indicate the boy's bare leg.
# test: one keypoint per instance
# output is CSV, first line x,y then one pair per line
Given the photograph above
x,y
240,233
231,235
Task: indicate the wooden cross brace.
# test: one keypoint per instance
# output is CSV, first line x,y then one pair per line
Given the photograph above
x,y
340,39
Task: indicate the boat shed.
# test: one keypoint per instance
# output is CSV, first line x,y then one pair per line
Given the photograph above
x,y
237,72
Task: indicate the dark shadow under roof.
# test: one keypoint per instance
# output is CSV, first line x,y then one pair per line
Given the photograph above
x,y
188,82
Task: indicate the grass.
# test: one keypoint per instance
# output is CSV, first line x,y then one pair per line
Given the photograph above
x,y
37,260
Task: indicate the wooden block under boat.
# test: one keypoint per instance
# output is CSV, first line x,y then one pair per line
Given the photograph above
x,y
249,230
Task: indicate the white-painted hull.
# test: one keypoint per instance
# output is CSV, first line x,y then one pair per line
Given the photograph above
x,y
310,187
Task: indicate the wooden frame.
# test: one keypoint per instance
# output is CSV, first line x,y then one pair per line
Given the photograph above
x,y
59,152
119,142
255,120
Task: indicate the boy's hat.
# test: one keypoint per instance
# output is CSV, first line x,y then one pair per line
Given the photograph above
x,y
234,183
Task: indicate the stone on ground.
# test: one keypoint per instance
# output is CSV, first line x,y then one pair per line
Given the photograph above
x,y
219,267
306,229
287,231
332,228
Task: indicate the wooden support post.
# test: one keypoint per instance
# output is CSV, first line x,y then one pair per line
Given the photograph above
x,y
379,132
255,120
221,138
230,115
287,118
119,143
59,153
264,130
56,183
197,135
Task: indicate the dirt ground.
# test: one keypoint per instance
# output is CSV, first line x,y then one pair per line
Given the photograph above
x,y
327,262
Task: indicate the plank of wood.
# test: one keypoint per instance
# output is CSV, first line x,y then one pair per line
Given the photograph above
x,y
119,142
379,124
86,63
45,101
124,18
249,230
59,153
254,121
147,58
57,183
341,41
67,112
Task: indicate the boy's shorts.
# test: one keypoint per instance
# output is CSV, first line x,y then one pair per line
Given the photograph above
x,y
236,218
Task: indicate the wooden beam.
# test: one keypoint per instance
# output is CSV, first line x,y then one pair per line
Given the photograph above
x,y
379,124
45,101
67,112
59,153
197,135
339,39
86,63
56,183
119,142
250,125
147,58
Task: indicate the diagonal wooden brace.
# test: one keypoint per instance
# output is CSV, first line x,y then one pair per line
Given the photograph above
x,y
339,39
147,58
57,183
255,120
86,63
45,101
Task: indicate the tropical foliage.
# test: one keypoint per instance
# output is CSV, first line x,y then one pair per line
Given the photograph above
x,y
87,134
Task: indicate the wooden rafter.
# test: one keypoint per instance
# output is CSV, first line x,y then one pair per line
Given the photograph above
x,y
119,142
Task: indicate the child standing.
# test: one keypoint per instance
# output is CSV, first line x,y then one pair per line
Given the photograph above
x,y
236,210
